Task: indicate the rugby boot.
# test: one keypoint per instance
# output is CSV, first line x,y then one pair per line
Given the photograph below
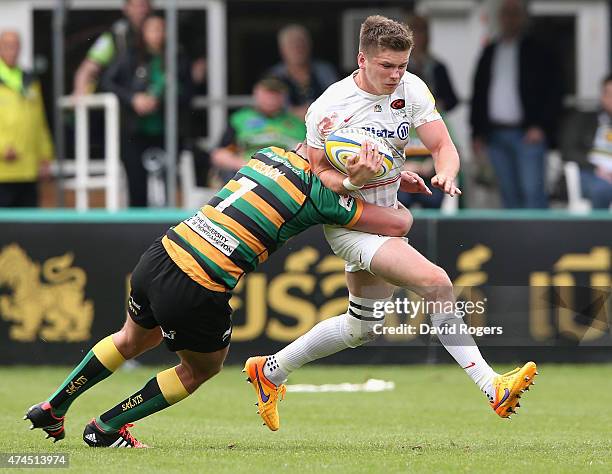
x,y
96,437
268,394
42,416
509,388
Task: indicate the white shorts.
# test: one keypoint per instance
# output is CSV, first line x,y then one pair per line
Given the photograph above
x,y
356,248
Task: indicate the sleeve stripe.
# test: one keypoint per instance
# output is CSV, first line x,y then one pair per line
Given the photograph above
x,y
358,212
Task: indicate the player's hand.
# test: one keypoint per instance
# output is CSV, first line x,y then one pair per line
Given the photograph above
x,y
446,184
413,183
364,166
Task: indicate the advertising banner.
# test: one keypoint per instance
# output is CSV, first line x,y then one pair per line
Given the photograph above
x,y
527,290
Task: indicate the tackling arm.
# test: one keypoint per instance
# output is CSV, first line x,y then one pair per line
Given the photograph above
x,y
360,168
331,178
384,220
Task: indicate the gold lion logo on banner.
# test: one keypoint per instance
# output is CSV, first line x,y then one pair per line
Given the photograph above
x,y
53,308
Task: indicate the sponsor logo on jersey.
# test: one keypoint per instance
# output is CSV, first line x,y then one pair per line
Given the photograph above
x,y
216,236
398,104
381,132
268,170
346,202
378,108
403,130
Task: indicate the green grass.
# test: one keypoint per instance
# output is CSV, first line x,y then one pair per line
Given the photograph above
x,y
434,421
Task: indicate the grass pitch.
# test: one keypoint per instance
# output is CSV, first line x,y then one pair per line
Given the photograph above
x,y
434,421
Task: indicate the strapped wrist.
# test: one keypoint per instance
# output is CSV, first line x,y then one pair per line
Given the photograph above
x,y
346,182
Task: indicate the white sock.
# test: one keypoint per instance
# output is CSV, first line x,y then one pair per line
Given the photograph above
x,y
465,351
332,335
324,339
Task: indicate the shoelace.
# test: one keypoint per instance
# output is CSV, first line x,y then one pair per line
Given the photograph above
x,y
127,435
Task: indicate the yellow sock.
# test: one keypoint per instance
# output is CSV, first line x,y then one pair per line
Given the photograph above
x,y
171,386
108,354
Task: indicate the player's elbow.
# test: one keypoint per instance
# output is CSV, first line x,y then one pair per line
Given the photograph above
x,y
400,225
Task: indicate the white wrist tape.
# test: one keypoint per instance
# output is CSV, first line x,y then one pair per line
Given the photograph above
x,y
350,186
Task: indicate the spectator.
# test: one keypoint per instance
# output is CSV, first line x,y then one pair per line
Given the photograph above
x,y
25,143
199,69
306,79
434,74
515,104
266,124
587,140
124,35
138,79
428,67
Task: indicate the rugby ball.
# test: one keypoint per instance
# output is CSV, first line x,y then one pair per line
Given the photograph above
x,y
346,142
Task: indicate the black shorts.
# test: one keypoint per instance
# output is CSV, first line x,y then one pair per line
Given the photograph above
x,y
191,317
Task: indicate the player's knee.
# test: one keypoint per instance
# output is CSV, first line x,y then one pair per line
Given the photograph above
x,y
149,341
356,332
194,375
436,284
132,345
128,346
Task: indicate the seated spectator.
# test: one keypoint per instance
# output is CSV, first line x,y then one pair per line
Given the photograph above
x,y
587,140
433,72
123,35
266,124
25,143
138,78
306,78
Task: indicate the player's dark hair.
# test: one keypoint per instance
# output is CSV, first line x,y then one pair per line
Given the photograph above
x,y
384,33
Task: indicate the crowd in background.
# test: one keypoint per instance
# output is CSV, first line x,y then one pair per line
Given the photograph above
x,y
516,105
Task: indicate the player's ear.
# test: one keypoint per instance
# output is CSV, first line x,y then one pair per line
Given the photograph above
x,y
361,59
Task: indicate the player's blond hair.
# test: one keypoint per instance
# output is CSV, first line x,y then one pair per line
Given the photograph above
x,y
379,32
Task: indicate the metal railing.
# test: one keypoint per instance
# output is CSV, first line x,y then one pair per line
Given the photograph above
x,y
83,182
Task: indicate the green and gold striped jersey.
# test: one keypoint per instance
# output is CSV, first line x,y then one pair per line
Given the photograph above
x,y
272,198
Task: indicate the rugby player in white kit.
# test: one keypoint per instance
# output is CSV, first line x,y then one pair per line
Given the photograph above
x,y
386,100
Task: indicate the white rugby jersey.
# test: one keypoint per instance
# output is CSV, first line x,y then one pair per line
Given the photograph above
x,y
344,104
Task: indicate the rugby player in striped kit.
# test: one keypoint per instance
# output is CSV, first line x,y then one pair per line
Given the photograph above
x,y
180,288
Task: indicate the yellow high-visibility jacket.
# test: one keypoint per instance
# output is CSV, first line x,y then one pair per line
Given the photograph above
x,y
23,127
